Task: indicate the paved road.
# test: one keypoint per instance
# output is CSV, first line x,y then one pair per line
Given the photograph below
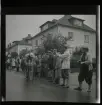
x,y
18,89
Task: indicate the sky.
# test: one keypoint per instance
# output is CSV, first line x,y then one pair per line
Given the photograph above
x,y
19,26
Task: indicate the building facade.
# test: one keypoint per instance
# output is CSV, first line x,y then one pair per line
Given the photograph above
x,y
68,26
17,46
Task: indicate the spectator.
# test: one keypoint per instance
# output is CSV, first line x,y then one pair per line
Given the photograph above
x,y
39,66
13,63
58,69
50,63
46,65
43,65
23,64
17,64
8,63
65,67
54,63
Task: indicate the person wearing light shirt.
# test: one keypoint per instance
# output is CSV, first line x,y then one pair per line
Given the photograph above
x,y
65,69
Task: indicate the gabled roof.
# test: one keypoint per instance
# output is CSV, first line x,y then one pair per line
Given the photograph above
x,y
77,18
46,23
22,42
15,41
65,22
28,37
44,31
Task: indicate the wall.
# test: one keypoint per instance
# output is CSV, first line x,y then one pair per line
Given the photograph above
x,y
79,38
21,47
52,30
29,41
18,48
14,49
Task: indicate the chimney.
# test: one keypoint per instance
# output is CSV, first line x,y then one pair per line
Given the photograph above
x,y
29,35
54,20
67,16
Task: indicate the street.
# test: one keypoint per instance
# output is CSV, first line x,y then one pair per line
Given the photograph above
x,y
18,89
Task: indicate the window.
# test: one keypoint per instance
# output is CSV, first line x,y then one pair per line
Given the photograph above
x,y
42,39
70,35
86,38
77,22
29,41
36,43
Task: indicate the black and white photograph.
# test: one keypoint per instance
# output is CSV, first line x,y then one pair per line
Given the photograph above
x,y
51,58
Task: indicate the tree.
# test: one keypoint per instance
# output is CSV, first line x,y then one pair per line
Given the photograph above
x,y
75,57
77,51
14,54
55,42
40,50
23,52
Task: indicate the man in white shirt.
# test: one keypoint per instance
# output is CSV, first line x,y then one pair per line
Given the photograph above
x,y
65,67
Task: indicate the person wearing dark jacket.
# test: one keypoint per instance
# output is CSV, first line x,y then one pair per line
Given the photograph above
x,y
23,64
54,64
50,63
86,70
17,64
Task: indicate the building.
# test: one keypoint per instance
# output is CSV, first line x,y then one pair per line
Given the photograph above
x,y
17,46
68,26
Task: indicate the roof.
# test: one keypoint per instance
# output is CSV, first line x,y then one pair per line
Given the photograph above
x,y
24,43
44,31
19,43
65,22
15,41
47,22
28,37
77,18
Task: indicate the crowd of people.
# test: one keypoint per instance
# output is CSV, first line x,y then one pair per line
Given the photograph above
x,y
53,66
13,63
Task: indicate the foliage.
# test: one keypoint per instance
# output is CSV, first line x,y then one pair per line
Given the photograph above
x,y
14,54
73,62
23,52
55,42
40,50
77,51
75,57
